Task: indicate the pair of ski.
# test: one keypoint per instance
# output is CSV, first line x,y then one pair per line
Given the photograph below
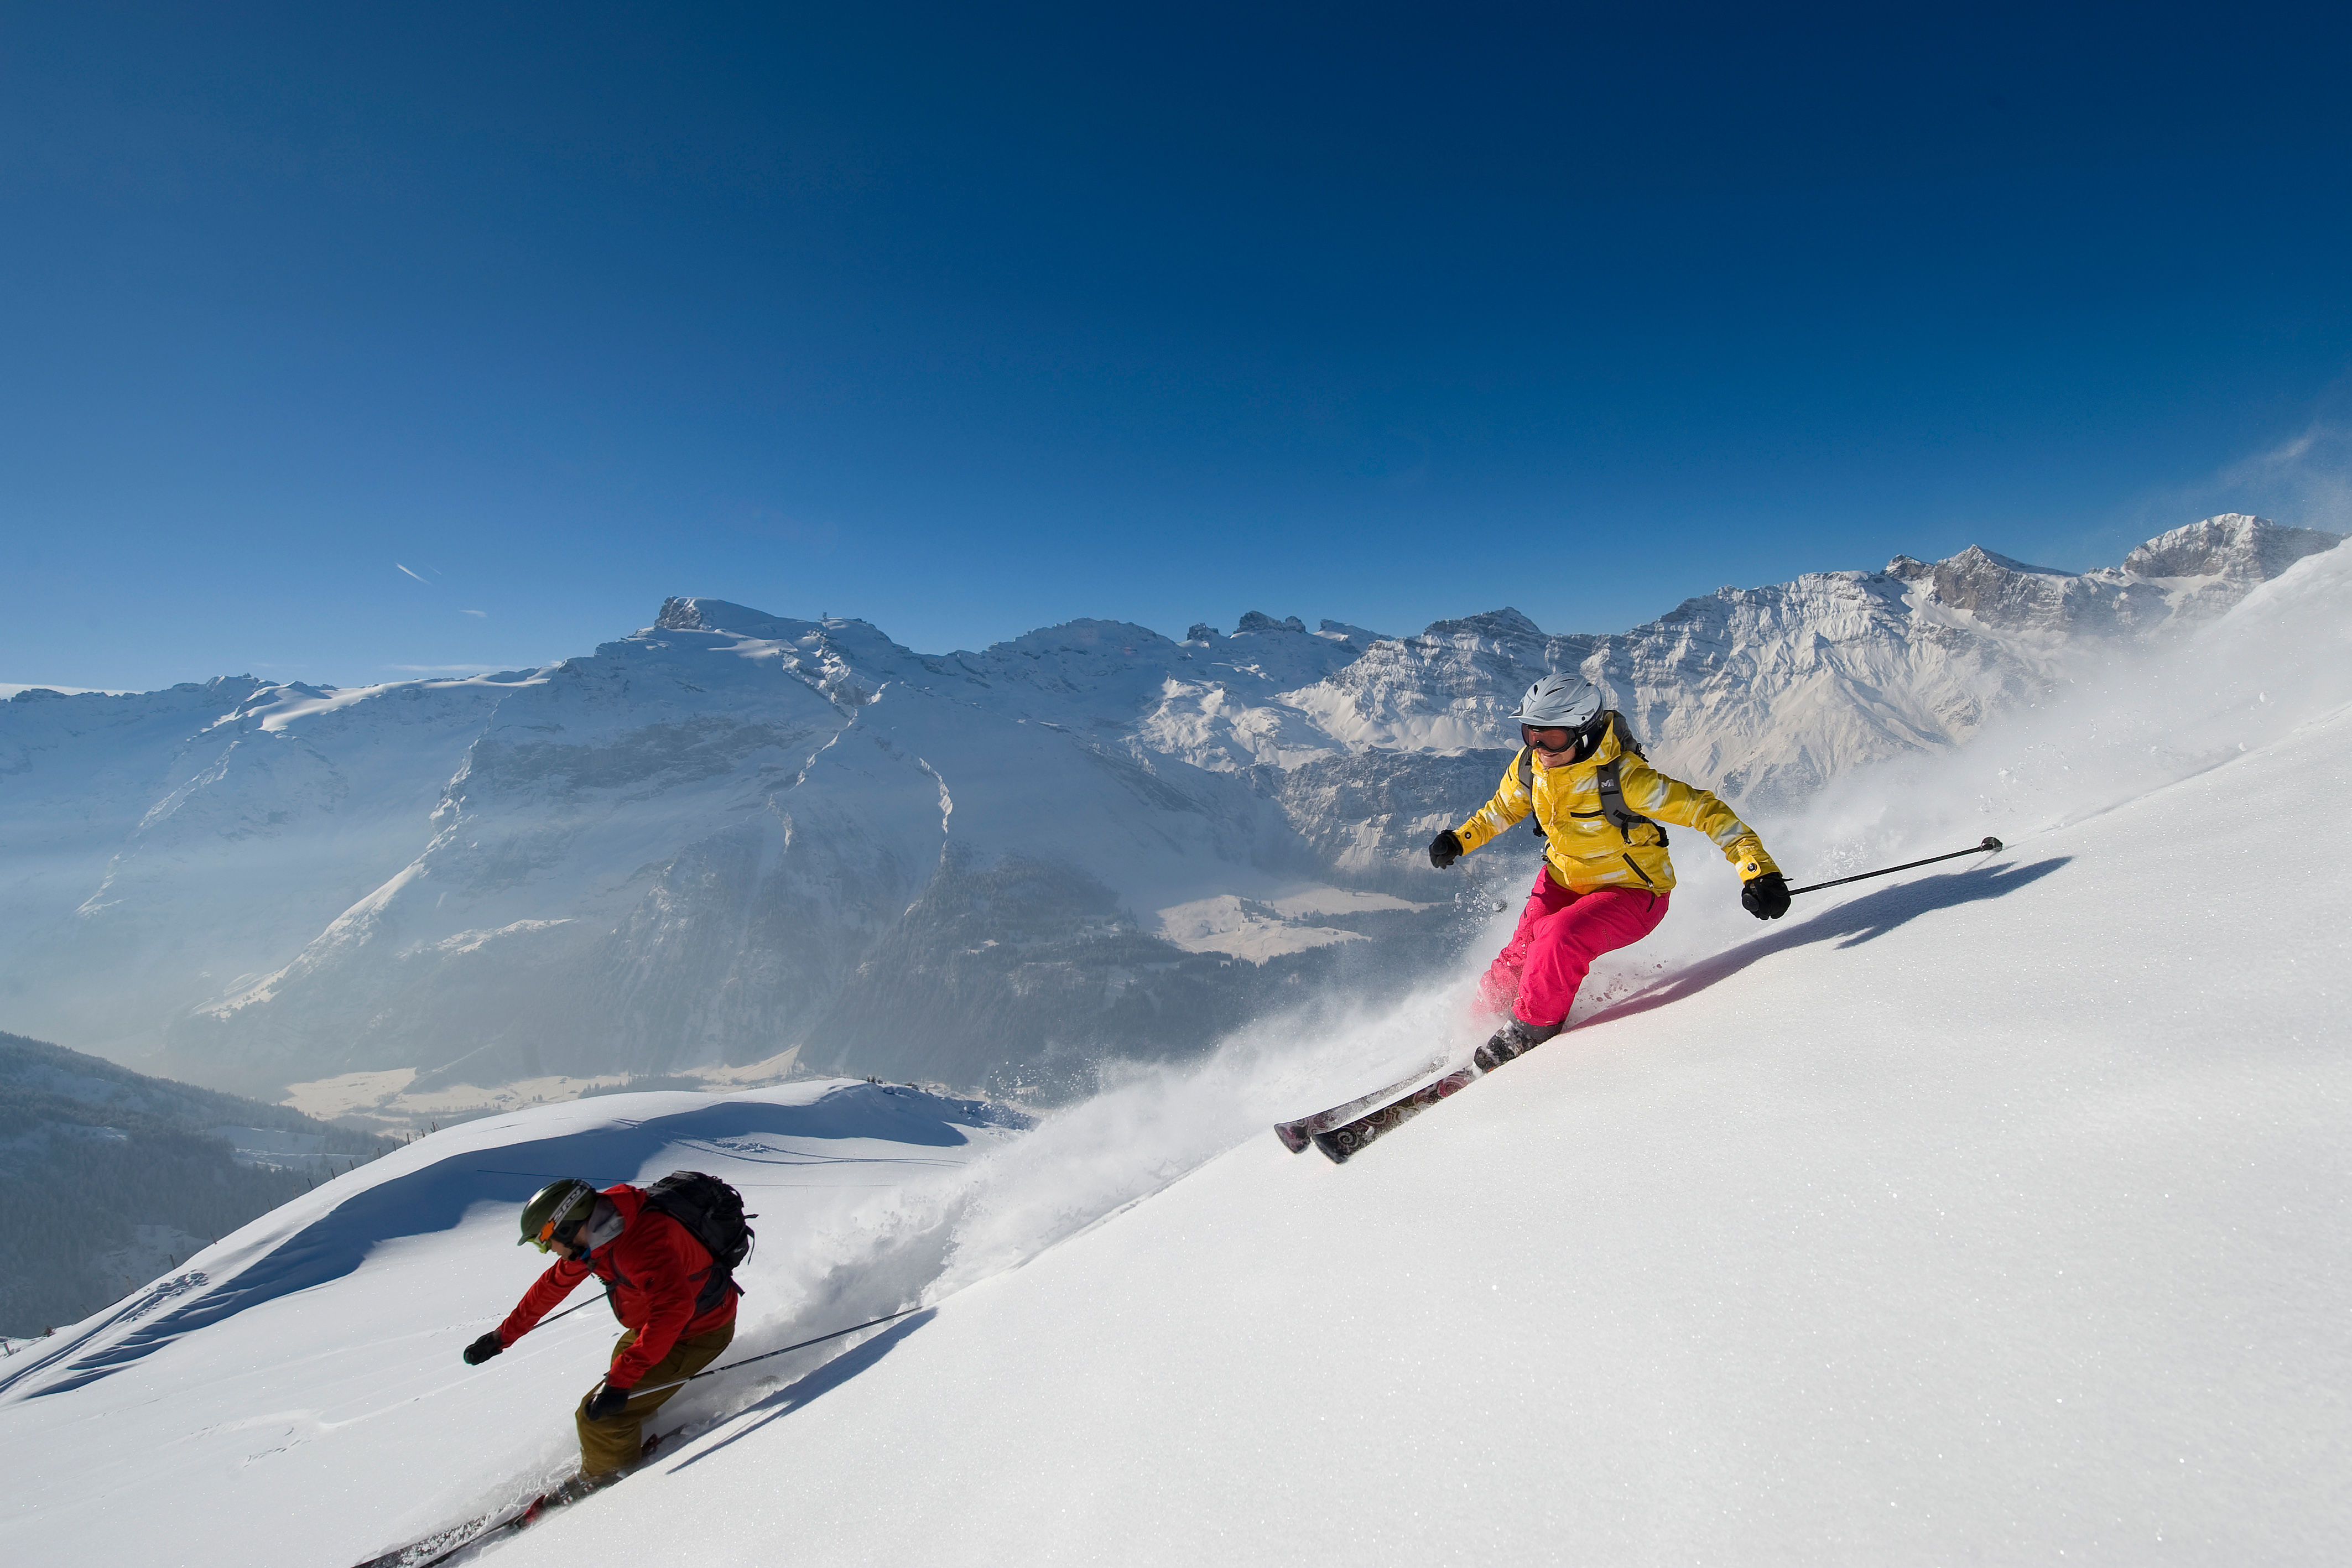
x,y
444,1546
1343,1131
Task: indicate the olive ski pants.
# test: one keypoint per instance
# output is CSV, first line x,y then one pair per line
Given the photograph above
x,y
614,1443
1560,933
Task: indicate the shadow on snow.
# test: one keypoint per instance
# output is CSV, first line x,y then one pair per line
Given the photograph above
x,y
798,1396
1849,924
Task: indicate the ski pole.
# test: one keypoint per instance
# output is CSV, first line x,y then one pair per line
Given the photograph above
x,y
765,1354
1989,844
567,1311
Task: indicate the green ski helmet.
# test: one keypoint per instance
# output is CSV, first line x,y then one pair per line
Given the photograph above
x,y
557,1211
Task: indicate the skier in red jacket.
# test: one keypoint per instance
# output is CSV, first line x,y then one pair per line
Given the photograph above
x,y
677,1314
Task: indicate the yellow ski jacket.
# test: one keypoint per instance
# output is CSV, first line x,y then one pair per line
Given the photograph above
x,y
1583,847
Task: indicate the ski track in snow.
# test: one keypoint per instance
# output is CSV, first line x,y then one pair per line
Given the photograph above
x,y
1993,1214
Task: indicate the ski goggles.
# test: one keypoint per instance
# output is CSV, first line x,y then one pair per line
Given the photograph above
x,y
547,1235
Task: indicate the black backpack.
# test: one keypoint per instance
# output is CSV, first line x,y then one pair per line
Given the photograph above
x,y
712,1213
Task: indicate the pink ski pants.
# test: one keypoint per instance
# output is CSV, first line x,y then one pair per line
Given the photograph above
x,y
1560,933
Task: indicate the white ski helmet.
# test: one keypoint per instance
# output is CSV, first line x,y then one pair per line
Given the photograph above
x,y
1566,702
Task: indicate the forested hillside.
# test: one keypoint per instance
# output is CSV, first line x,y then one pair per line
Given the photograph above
x,y
111,1176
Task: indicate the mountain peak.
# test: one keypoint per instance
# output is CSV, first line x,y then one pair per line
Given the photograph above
x,y
2233,544
1977,555
710,615
1505,622
1258,620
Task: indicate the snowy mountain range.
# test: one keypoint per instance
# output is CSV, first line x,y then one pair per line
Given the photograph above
x,y
737,840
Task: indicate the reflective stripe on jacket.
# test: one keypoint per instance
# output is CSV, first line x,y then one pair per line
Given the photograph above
x,y
1585,849
654,1267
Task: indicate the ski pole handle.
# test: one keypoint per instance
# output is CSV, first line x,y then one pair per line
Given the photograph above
x,y
1986,847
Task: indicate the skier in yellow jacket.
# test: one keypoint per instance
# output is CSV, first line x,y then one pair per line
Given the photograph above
x,y
1605,878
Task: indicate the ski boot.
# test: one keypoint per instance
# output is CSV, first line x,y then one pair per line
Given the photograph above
x,y
580,1486
1513,1039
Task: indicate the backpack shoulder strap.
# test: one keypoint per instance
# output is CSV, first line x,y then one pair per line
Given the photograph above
x,y
1625,741
1525,770
1612,801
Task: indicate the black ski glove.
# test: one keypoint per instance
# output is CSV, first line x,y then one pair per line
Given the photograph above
x,y
607,1402
1767,897
1445,850
482,1349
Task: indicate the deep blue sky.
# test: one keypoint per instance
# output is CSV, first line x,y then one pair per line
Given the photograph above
x,y
967,319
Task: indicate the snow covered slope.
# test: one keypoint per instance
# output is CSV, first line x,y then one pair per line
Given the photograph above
x,y
733,835
1993,1214
301,1402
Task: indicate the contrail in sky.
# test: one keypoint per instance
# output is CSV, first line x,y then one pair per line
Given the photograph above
x,y
412,574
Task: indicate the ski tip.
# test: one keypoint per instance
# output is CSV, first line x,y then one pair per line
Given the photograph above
x,y
1332,1148
1293,1137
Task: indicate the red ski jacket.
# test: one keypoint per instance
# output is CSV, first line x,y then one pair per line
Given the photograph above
x,y
654,1267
